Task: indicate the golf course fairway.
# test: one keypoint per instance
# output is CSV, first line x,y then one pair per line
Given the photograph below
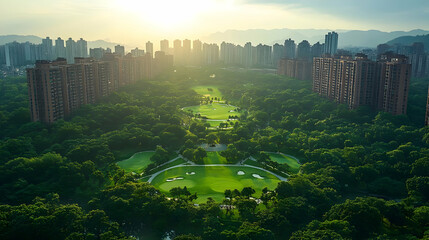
x,y
136,163
212,181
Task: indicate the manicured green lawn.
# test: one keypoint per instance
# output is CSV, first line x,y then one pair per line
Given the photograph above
x,y
215,111
203,90
136,163
294,165
214,158
213,181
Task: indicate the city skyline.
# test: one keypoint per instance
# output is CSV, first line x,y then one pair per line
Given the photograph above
x,y
137,22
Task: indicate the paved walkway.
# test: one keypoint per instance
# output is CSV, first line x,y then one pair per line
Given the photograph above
x,y
170,161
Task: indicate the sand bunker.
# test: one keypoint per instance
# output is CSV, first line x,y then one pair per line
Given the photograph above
x,y
174,179
240,173
190,173
257,176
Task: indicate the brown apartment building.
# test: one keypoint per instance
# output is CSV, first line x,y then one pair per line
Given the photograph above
x,y
56,89
355,82
295,68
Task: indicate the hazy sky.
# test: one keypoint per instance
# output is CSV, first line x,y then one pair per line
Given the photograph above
x,y
137,21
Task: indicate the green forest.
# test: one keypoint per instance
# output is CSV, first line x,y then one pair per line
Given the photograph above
x,y
364,174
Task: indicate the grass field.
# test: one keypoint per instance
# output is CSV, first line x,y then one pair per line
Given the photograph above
x,y
214,158
136,163
294,165
214,111
203,90
213,181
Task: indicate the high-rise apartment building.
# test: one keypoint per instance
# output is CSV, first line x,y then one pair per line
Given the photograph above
x,y
415,53
120,50
317,50
47,49
137,52
296,65
2,54
295,68
70,50
278,53
81,48
197,52
263,55
186,51
14,54
290,48
60,50
97,53
227,53
417,58
149,48
395,78
45,89
57,89
210,54
239,55
165,46
161,62
177,52
355,82
247,54
331,43
304,51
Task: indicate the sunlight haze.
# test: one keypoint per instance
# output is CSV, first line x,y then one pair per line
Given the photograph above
x,y
133,22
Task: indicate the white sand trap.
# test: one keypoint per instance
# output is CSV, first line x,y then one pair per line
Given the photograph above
x,y
190,173
257,176
240,173
214,108
173,179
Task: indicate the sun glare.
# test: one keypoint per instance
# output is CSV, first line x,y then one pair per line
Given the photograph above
x,y
166,14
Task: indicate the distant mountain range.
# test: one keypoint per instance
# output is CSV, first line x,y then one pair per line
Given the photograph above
x,y
37,40
347,38
20,38
409,40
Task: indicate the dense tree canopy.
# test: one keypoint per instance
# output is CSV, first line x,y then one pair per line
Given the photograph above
x,y
364,174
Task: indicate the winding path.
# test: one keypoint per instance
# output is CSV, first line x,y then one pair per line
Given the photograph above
x,y
170,161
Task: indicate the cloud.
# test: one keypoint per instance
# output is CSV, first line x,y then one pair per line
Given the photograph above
x,y
387,12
